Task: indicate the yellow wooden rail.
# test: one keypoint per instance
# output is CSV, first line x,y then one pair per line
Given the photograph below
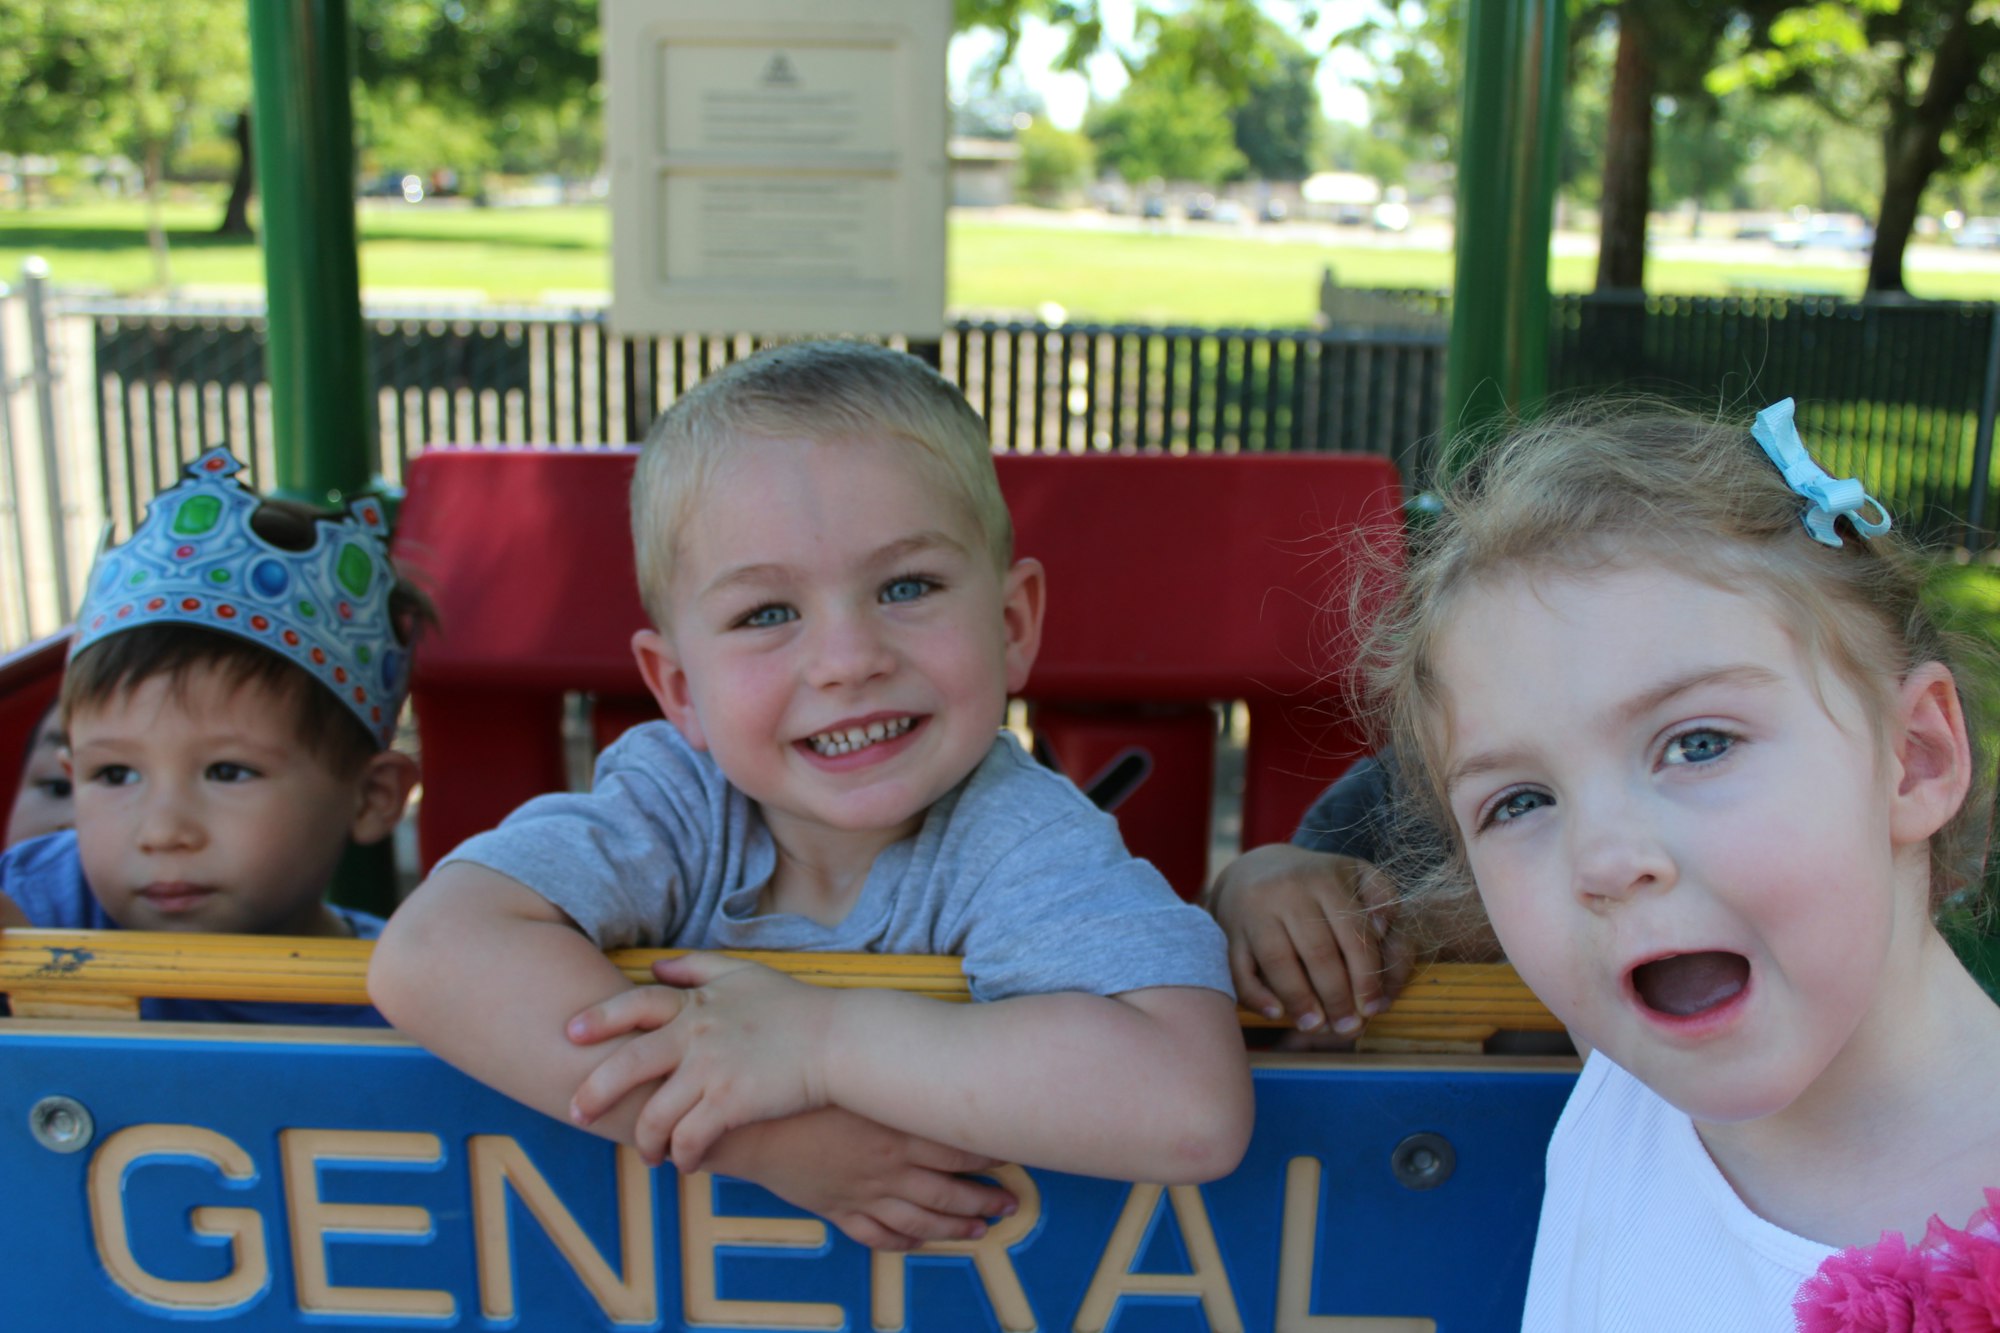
x,y
101,974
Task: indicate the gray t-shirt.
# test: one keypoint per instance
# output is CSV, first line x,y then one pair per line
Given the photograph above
x,y
1013,870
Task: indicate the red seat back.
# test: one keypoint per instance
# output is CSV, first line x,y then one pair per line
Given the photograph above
x,y
30,678
1174,582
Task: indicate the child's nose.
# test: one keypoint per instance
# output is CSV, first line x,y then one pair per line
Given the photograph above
x,y
1617,855
168,823
849,650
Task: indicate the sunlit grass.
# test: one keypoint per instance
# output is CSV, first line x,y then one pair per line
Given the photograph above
x,y
1261,277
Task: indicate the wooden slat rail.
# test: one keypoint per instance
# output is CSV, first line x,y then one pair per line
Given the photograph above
x,y
98,974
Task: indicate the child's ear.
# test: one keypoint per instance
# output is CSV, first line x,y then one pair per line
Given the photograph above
x,y
1932,756
660,667
384,789
1023,597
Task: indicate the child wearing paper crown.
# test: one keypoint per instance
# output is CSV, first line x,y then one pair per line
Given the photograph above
x,y
230,698
838,622
1671,696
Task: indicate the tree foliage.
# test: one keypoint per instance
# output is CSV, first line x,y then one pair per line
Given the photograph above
x,y
1416,51
485,56
1081,19
1371,150
1055,162
117,76
472,86
1166,127
53,81
1923,75
1277,124
1219,92
1663,51
131,77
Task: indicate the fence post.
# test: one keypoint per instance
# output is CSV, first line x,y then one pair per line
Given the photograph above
x,y
35,283
17,511
1976,536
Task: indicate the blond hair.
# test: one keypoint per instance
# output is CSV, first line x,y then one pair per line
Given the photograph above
x,y
820,391
1613,484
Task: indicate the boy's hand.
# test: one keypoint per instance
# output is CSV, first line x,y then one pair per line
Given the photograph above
x,y
646,1059
1310,935
736,1041
11,915
883,1188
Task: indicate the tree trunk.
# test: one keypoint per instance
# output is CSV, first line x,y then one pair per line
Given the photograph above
x,y
1628,156
236,216
156,232
1913,148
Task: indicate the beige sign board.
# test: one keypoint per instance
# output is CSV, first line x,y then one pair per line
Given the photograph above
x,y
777,166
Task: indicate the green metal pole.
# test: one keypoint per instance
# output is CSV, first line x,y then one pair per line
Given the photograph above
x,y
322,417
1497,365
303,126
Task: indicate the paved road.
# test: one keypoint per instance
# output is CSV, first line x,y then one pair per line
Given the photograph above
x,y
1436,235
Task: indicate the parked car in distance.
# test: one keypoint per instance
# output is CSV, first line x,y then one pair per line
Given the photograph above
x,y
1274,210
1825,231
1228,210
1978,234
1199,207
405,185
1154,206
1390,215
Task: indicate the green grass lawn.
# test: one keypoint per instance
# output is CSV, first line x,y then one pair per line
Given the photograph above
x,y
995,266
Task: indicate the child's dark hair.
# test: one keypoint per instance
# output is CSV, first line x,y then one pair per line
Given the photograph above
x,y
1609,484
121,662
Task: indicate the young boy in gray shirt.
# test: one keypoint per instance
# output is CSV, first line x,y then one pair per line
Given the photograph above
x,y
838,621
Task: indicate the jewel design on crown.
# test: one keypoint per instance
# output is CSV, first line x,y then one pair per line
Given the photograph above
x,y
195,561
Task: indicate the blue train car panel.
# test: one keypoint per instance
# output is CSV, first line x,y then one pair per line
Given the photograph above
x,y
290,1178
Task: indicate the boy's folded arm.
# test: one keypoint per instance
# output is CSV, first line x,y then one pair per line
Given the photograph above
x,y
1149,1085
11,915
882,1187
450,970
485,972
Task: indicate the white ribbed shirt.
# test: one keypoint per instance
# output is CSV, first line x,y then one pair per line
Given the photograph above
x,y
1640,1232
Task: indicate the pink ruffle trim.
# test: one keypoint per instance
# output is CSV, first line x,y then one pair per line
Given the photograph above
x,y
1947,1283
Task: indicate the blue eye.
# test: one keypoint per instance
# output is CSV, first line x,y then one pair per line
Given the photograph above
x,y
1700,746
909,588
768,617
1514,805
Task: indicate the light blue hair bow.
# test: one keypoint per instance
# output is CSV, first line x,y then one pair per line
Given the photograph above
x,y
1827,498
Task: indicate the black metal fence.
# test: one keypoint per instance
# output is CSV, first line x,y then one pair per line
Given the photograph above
x,y
1903,396
170,382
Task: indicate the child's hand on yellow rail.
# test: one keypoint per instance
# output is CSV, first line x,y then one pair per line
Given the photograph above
x,y
1311,934
11,915
736,1042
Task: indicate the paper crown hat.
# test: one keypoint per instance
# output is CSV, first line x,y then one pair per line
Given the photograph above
x,y
196,561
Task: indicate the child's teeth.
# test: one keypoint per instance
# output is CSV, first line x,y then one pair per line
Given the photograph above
x,y
833,744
